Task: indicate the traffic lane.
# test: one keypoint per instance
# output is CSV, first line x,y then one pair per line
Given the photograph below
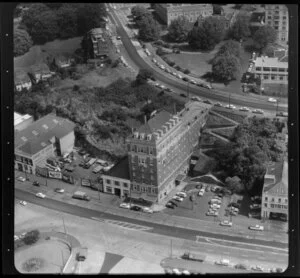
x,y
212,94
157,228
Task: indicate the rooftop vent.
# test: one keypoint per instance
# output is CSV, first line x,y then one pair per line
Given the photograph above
x,y
45,126
24,138
35,132
43,144
55,121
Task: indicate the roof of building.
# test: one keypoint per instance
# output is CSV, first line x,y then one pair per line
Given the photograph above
x,y
20,76
34,146
120,170
276,178
272,62
18,118
39,68
44,129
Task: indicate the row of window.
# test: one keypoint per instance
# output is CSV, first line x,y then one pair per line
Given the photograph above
x,y
24,159
140,188
272,69
279,206
142,149
267,77
117,183
278,200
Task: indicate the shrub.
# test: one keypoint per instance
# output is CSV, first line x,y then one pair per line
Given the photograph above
x,y
31,237
186,71
171,63
177,67
160,51
76,88
166,45
159,42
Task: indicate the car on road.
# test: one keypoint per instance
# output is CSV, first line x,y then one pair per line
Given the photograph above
x,y
174,73
22,235
271,99
256,228
253,214
244,108
226,223
176,271
201,193
168,70
135,208
207,101
186,272
177,198
218,104
195,98
59,190
23,203
240,266
35,183
40,195
230,106
118,38
234,209
214,201
21,179
212,213
170,205
154,60
255,206
207,86
169,90
257,111
193,81
183,95
179,76
253,198
224,262
282,114
125,205
147,210
16,237
186,79
257,268
181,194
162,67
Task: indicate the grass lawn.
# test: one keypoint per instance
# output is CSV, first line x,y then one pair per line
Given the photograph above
x,y
235,116
214,121
227,133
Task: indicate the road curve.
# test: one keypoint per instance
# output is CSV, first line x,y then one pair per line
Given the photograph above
x,y
157,228
202,92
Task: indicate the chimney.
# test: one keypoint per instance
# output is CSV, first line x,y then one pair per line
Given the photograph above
x,y
145,119
174,108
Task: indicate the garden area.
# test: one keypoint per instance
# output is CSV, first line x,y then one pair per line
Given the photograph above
x,y
233,116
225,132
215,121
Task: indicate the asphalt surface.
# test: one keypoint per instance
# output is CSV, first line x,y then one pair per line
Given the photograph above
x,y
202,92
156,228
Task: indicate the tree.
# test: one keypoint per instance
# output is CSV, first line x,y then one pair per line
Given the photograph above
x,y
138,11
145,17
230,47
226,68
264,36
143,76
217,9
45,27
234,184
90,16
209,33
240,28
67,21
54,6
22,42
179,29
31,237
149,29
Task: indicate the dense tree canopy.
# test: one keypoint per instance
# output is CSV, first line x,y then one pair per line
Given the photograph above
x,y
217,9
264,36
143,76
209,33
22,41
149,29
229,47
67,21
226,67
240,28
179,29
234,184
138,11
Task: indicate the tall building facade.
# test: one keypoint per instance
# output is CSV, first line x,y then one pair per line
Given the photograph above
x,y
169,12
160,150
277,17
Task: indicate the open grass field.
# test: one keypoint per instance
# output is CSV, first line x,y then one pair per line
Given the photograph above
x,y
43,257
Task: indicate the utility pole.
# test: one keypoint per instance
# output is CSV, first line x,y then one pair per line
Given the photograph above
x,y
188,89
171,248
229,99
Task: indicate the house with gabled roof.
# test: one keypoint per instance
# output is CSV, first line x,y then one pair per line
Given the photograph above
x,y
63,60
39,72
275,191
22,80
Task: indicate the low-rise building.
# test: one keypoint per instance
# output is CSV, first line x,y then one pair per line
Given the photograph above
x,y
39,72
117,180
275,191
271,70
63,61
22,121
22,80
47,137
169,12
227,19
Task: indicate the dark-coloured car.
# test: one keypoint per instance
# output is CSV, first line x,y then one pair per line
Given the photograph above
x,y
82,152
186,79
182,95
207,101
192,198
81,164
35,183
136,208
170,205
173,203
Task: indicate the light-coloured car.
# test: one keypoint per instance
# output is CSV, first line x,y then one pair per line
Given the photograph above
x,y
196,98
186,272
125,205
244,109
193,81
255,206
21,179
162,67
22,235
207,101
224,262
177,198
215,206
179,76
40,195
257,111
230,106
207,86
201,193
174,73
257,268
226,223
215,213
215,201
154,60
16,238
271,99
148,210
176,271
256,228
23,203
59,190
218,104
181,194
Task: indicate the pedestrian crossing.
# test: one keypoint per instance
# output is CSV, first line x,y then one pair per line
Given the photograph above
x,y
125,225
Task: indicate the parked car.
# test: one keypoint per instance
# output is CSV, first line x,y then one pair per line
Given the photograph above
x,y
226,223
118,38
253,214
35,183
255,206
169,90
193,81
215,206
207,86
272,99
21,179
154,60
214,201
253,198
181,194
196,98
257,111
147,210
40,195
176,50
135,208
183,95
230,106
125,205
186,272
179,76
257,268
186,79
177,198
212,213
170,205
174,73
16,238
207,188
167,70
59,190
201,193
23,203
173,203
256,228
240,266
192,198
207,101
218,104
282,114
176,271
224,262
244,109
21,236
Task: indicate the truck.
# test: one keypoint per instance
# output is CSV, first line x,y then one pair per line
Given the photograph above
x,y
81,196
97,169
91,161
193,257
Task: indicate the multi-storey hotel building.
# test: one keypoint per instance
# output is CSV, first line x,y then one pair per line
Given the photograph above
x,y
277,17
160,150
169,12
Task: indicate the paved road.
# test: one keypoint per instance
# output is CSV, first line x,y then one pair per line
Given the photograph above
x,y
156,228
202,92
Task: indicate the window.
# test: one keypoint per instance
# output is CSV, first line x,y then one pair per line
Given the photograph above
x,y
273,77
117,183
108,189
108,181
266,69
125,184
266,76
276,27
269,17
258,68
285,200
266,198
273,69
281,70
281,77
266,205
279,200
272,205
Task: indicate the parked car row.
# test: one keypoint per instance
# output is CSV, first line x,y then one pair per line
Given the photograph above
x,y
214,205
135,207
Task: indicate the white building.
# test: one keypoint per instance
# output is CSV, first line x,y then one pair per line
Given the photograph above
x,y
22,80
22,121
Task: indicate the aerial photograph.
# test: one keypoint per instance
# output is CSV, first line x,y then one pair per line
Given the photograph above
x,y
150,138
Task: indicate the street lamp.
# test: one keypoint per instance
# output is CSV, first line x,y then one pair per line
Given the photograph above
x,y
229,96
